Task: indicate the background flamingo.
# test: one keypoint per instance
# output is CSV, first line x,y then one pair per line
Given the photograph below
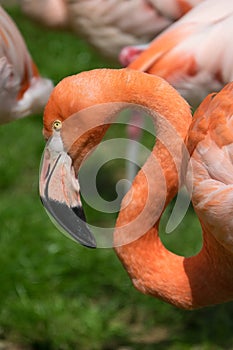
x,y
186,54
109,25
22,90
193,282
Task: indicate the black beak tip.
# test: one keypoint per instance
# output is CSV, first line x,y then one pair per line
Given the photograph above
x,y
71,220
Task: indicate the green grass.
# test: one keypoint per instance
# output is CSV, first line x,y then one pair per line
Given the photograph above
x,y
57,295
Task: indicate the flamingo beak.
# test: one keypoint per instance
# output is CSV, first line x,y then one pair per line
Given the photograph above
x,y
60,192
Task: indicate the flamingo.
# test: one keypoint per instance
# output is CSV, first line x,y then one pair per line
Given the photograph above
x,y
186,54
186,282
22,90
109,26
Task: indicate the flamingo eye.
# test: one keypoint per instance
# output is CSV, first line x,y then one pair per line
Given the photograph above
x,y
57,124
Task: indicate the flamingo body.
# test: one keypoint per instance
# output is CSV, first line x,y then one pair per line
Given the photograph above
x,y
210,141
22,90
192,282
186,54
109,26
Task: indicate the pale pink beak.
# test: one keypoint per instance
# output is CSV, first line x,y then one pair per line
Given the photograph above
x,y
60,192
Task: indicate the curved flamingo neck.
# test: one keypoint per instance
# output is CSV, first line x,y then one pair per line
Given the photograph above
x,y
187,283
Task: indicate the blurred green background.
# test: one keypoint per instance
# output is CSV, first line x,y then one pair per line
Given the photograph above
x,y
55,294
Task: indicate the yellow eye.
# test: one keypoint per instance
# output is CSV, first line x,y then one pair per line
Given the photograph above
x,y
57,124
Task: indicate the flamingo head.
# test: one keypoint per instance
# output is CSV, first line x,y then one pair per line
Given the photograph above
x,y
60,190
74,123
59,185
